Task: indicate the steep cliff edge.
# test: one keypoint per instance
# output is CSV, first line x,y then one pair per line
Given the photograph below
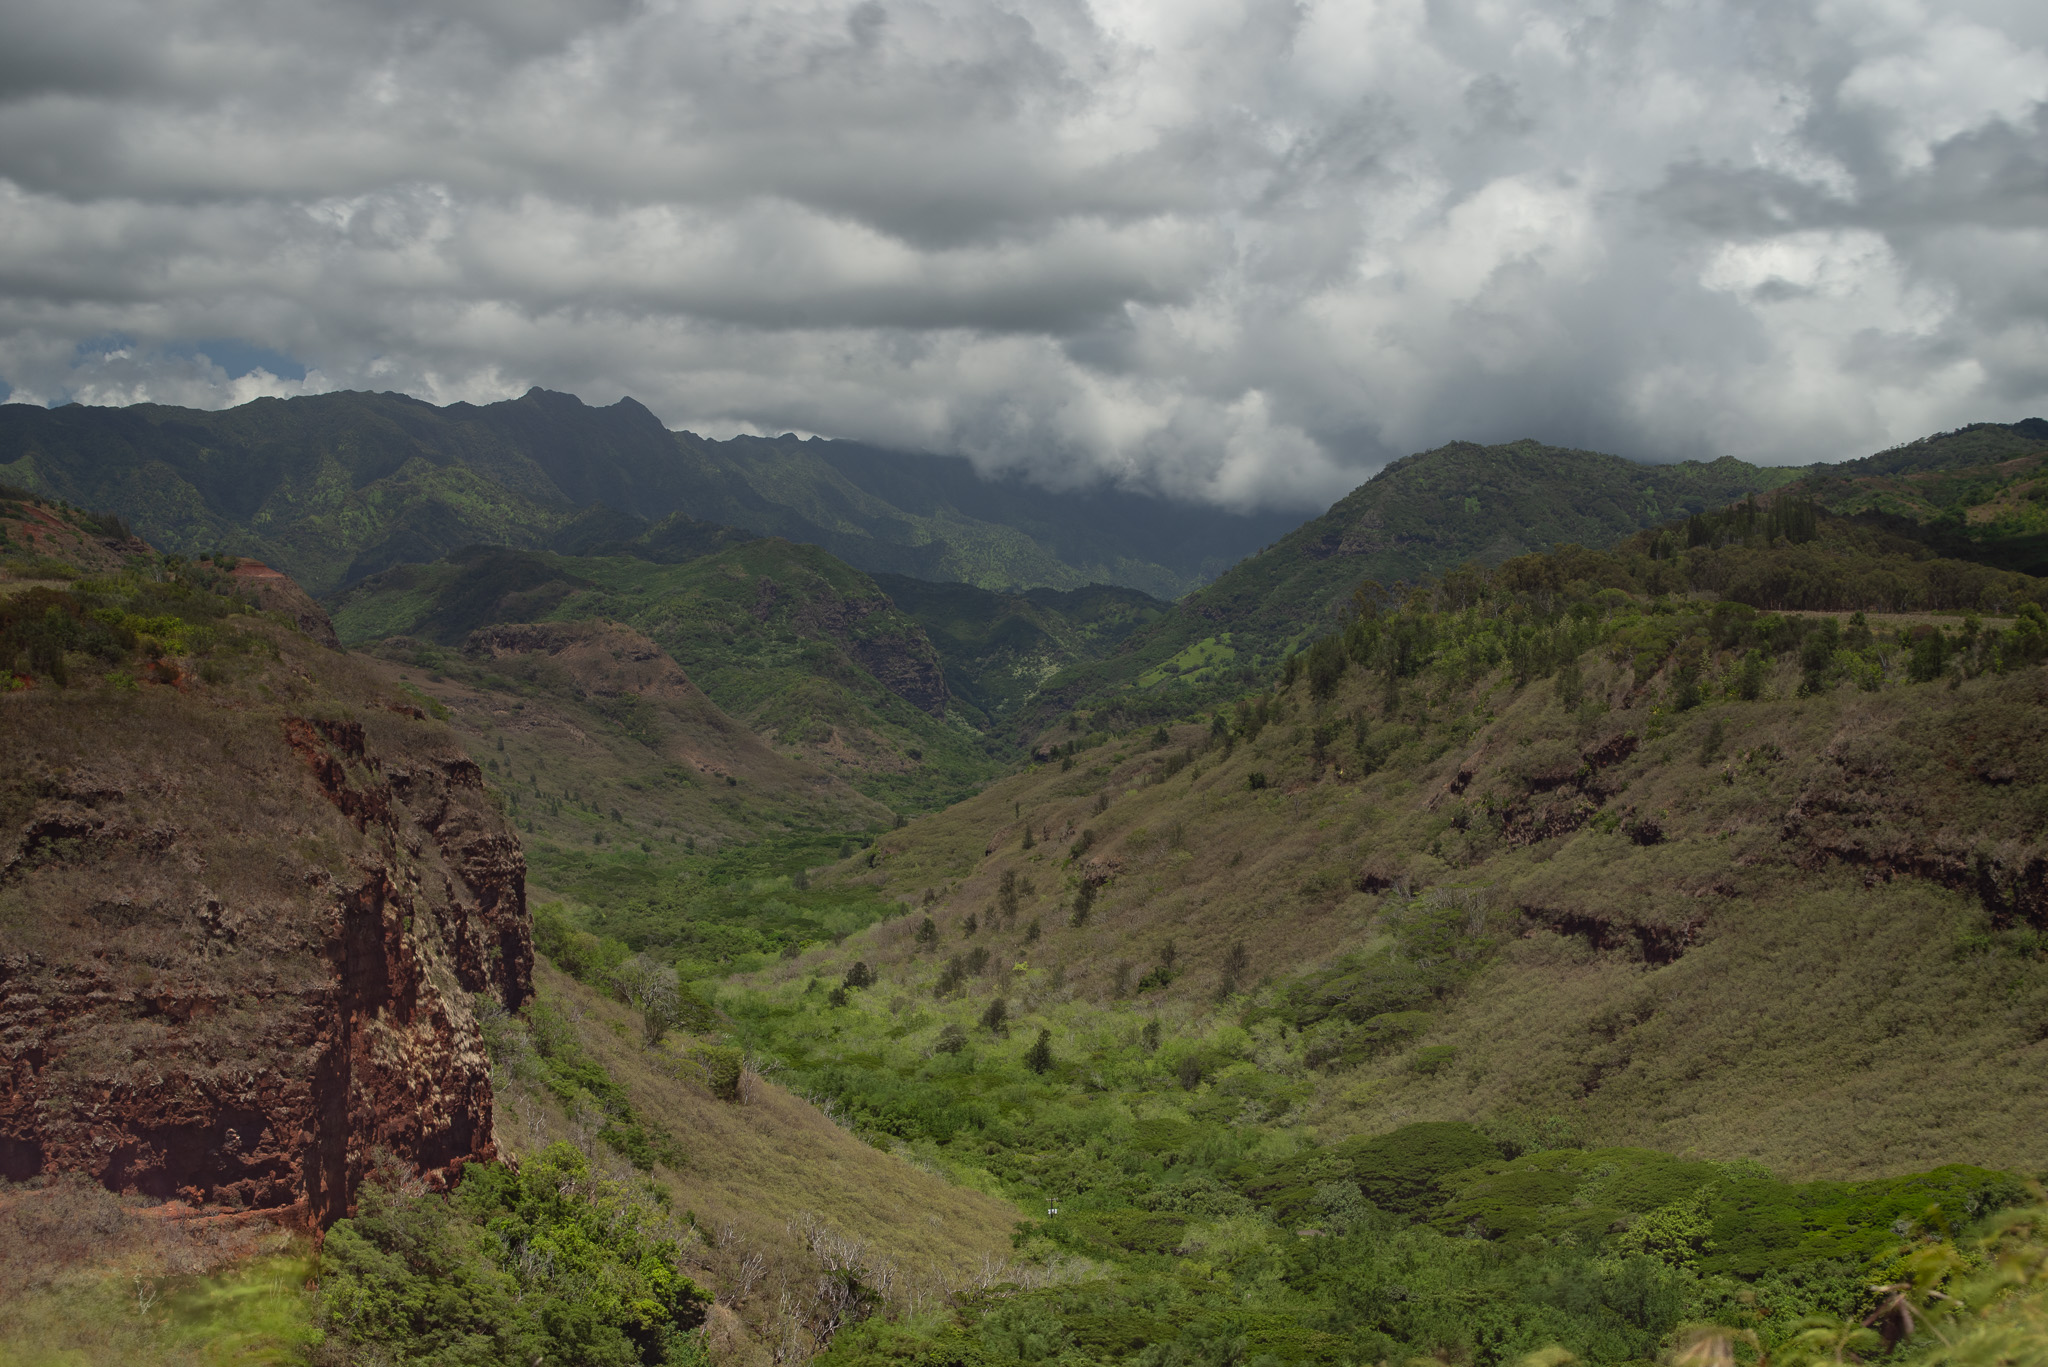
x,y
246,894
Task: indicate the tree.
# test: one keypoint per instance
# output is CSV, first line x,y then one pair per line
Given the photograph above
x,y
1326,664
1084,902
927,933
860,975
1236,963
996,1020
1038,1058
649,987
1676,1233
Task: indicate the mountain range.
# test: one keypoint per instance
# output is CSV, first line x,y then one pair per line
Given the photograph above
x,y
335,487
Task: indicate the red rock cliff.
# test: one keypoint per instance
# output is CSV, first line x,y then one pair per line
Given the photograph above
x,y
242,944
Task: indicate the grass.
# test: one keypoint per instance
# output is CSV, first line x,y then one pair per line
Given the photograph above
x,y
1196,663
87,1278
606,759
257,1312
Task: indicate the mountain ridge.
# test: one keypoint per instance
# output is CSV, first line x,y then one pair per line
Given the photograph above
x,y
332,488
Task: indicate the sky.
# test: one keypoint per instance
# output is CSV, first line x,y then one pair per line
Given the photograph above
x,y
1231,250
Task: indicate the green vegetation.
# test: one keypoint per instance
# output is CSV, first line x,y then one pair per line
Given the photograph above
x,y
803,650
133,625
1214,1233
1977,493
1196,1014
998,648
331,488
1622,954
1419,516
546,1264
255,1311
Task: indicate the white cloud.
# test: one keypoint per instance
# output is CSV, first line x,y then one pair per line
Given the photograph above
x,y
1238,249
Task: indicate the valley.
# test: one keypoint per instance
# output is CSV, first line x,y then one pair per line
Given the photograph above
x,y
1544,906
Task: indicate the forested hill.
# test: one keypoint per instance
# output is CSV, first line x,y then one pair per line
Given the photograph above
x,y
1422,515
334,487
1979,493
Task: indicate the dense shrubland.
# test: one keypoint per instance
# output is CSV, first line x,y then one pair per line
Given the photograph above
x,y
549,1263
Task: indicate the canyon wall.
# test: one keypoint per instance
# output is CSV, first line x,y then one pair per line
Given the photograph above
x,y
245,934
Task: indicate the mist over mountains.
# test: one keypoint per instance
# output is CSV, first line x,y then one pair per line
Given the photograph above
x,y
335,487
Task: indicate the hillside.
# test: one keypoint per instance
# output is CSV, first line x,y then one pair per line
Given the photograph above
x,y
249,896
1636,824
1977,493
332,488
596,737
1548,928
805,651
1423,515
266,968
906,688
997,648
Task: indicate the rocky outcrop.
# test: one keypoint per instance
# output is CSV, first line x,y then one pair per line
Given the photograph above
x,y
242,949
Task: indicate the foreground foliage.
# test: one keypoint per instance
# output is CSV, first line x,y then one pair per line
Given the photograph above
x,y
547,1264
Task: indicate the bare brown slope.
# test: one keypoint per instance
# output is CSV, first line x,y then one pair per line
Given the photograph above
x,y
240,923
577,720
1810,946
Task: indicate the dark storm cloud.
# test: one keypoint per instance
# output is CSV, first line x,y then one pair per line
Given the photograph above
x,y
1236,249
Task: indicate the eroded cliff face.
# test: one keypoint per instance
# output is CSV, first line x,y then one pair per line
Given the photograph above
x,y
244,932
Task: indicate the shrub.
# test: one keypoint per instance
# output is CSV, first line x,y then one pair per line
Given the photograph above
x,y
1327,661
723,1066
1237,961
1084,902
1400,1171
1433,1058
453,1278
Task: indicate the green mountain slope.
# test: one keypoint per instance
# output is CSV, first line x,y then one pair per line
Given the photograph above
x,y
804,650
1423,515
1978,493
998,648
331,488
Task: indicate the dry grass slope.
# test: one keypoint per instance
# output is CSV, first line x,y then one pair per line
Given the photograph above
x,y
1755,929
769,1180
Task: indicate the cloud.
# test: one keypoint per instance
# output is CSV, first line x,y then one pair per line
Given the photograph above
x,y
1238,250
